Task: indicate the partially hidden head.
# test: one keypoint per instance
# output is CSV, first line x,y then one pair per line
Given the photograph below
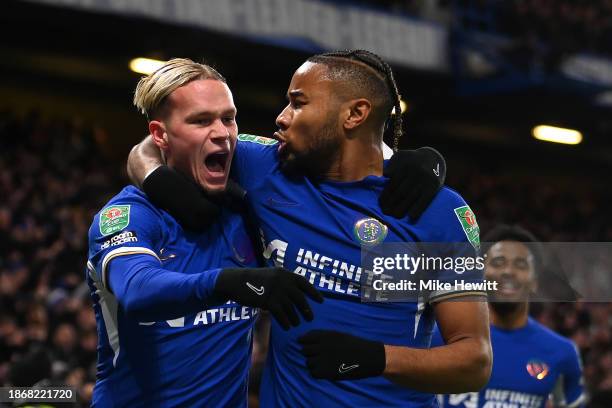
x,y
192,118
513,257
335,99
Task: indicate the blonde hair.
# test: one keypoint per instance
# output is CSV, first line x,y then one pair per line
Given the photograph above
x,y
152,90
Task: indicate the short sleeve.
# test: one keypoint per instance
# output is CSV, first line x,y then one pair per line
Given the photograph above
x,y
569,390
123,227
455,240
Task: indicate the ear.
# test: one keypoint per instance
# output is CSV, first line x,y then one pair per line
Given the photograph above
x,y
158,132
358,111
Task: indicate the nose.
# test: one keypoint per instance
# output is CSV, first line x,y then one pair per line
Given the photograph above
x,y
507,272
221,132
498,271
283,120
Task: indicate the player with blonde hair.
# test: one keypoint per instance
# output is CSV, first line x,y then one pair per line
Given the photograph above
x,y
175,309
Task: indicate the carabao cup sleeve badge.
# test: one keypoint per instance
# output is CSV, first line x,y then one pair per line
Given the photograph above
x,y
114,218
468,222
370,231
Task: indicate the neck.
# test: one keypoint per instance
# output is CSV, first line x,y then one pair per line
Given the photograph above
x,y
358,158
509,316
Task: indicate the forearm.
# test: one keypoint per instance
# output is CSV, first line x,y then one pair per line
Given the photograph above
x,y
461,366
147,292
142,160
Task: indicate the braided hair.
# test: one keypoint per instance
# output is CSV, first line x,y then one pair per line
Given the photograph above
x,y
377,71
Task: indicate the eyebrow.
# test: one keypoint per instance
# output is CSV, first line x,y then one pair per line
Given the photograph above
x,y
518,258
296,93
196,114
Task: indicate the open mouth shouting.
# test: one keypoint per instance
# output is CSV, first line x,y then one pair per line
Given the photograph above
x,y
216,168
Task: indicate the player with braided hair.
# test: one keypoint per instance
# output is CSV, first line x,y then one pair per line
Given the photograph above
x,y
374,354
386,91
410,171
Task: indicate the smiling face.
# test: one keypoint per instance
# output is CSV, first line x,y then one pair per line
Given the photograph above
x,y
511,265
309,126
198,132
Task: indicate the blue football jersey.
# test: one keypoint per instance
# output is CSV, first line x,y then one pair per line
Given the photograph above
x,y
195,359
530,365
315,230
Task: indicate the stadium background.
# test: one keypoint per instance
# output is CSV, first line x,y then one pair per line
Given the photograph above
x,y
67,123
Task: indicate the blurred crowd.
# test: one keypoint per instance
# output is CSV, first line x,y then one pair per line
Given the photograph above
x,y
564,26
53,179
544,32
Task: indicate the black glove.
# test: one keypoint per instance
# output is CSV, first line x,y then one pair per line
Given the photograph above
x,y
185,200
275,289
332,355
415,177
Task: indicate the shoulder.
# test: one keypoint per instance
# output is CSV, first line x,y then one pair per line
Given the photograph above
x,y
552,337
566,348
132,195
449,218
256,140
130,207
255,156
128,224
448,200
252,144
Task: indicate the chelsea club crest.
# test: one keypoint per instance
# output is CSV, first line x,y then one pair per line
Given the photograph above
x,y
537,369
370,231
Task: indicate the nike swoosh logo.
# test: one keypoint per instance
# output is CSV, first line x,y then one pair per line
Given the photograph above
x,y
437,170
344,369
280,203
258,291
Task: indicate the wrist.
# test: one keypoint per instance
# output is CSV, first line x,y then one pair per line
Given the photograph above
x,y
390,368
379,358
373,360
221,282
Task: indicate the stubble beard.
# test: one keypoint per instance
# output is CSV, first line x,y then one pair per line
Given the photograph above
x,y
318,159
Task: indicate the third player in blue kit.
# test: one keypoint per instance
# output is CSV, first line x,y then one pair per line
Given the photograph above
x,y
532,364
